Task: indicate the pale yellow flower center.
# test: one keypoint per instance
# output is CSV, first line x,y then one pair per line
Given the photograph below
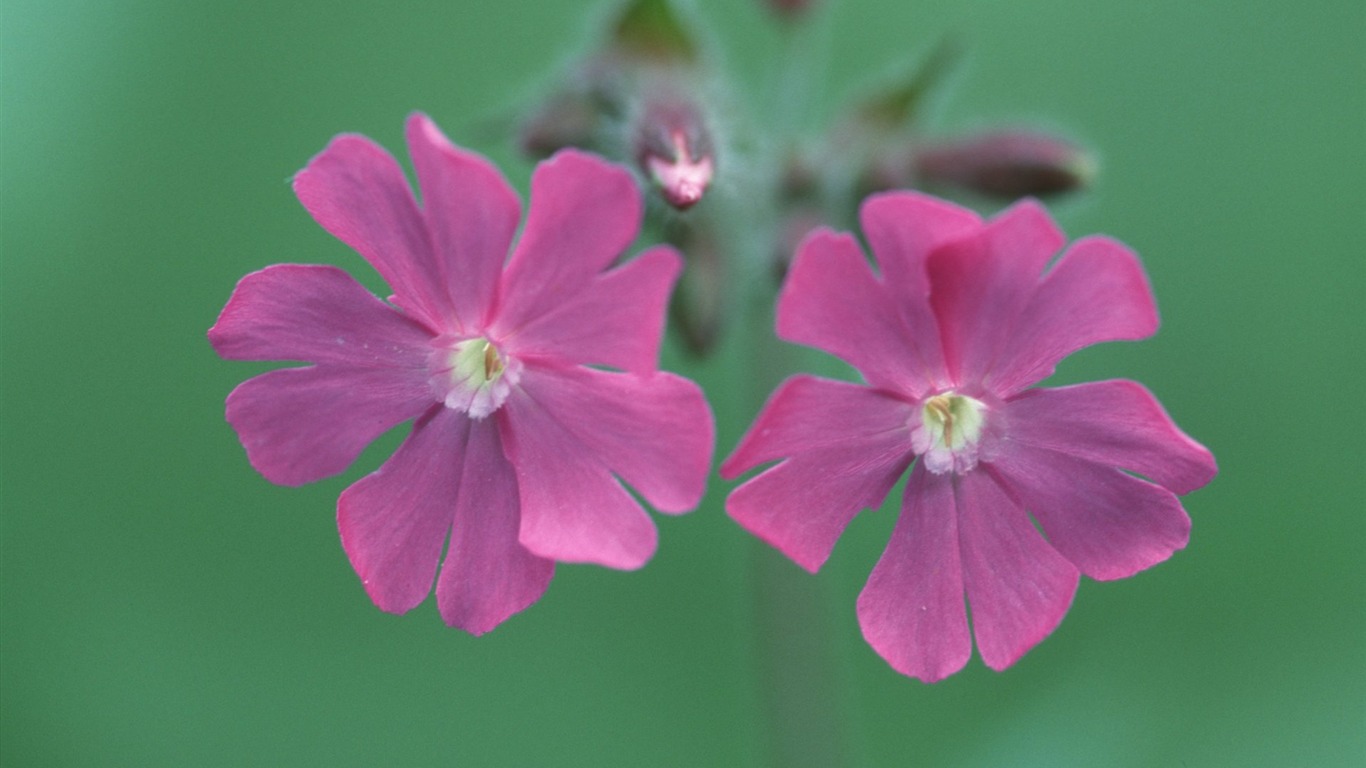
x,y
473,376
949,431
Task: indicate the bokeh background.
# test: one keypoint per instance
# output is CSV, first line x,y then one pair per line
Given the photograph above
x,y
164,605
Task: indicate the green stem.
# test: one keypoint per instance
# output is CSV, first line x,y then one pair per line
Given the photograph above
x,y
795,649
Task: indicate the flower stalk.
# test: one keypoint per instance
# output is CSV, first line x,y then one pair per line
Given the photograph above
x,y
801,682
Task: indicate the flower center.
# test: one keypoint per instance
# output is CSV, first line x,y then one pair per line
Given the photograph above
x,y
472,376
948,433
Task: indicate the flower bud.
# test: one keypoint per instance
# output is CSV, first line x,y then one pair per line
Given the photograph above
x,y
1007,164
673,148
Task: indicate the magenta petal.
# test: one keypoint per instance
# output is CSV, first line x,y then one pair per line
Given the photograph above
x,y
980,285
584,213
807,412
1116,423
316,314
393,521
832,301
911,610
903,228
573,509
801,506
1109,524
487,575
1019,587
471,213
357,191
1096,292
616,320
654,431
299,425
848,445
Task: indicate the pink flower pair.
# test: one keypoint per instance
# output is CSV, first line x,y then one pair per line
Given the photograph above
x,y
533,385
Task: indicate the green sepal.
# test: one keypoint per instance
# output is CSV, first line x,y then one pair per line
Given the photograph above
x,y
899,104
650,29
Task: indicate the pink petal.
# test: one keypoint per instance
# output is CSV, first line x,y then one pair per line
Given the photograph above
x,y
471,213
616,320
1115,423
357,191
911,610
299,425
903,228
573,510
1019,587
654,431
848,445
980,285
584,213
1096,292
393,521
807,412
832,301
1109,524
487,575
316,314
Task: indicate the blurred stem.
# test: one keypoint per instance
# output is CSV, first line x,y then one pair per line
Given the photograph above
x,y
795,653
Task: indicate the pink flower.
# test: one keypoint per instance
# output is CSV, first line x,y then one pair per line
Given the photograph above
x,y
949,337
520,434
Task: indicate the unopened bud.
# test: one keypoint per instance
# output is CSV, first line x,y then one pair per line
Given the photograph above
x,y
673,148
1008,164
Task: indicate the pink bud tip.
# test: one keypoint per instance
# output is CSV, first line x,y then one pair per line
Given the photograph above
x,y
673,148
682,179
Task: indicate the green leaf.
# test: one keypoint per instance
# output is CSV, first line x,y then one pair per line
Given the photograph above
x,y
899,104
650,29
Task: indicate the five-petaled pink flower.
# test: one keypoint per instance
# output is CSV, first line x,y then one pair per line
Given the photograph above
x,y
521,430
949,337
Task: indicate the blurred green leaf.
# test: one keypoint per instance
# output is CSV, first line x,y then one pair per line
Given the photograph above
x,y
900,103
650,29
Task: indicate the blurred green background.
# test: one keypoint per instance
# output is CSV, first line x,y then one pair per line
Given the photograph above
x,y
164,605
